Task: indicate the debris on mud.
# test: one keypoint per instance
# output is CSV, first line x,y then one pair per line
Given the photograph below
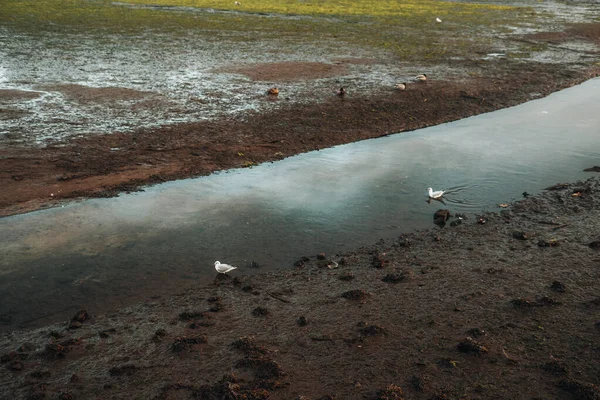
x,y
469,345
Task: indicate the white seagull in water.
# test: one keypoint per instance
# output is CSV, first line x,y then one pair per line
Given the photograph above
x,y
435,195
223,268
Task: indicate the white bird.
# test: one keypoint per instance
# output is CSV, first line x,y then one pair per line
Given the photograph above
x,y
421,78
223,268
400,86
438,20
436,194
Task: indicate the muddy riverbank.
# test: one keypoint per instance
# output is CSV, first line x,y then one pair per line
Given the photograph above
x,y
497,306
105,165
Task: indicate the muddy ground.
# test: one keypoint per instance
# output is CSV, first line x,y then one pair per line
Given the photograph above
x,y
34,177
499,306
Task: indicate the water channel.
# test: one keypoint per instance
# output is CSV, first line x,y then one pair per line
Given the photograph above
x,y
104,253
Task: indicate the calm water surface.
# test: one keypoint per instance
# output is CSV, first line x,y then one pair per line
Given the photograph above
x,y
104,253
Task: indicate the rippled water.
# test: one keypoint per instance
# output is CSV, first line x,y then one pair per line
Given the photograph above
x,y
103,253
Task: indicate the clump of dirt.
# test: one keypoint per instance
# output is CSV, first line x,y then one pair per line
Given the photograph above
x,y
580,390
373,330
54,350
127,369
357,294
302,321
346,276
263,367
182,343
470,345
379,261
260,312
78,319
555,367
229,387
391,392
191,315
558,287
395,277
248,346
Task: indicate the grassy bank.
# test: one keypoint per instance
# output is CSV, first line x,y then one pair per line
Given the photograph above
x,y
406,29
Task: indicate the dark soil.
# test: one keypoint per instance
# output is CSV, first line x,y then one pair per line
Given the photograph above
x,y
484,315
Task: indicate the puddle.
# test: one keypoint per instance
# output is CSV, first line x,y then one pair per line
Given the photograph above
x,y
105,253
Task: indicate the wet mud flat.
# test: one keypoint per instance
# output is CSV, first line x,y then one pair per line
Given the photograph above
x,y
106,165
501,305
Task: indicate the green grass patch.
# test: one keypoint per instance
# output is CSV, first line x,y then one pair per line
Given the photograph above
x,y
406,28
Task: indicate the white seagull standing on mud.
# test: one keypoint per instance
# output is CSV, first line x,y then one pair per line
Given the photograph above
x,y
223,268
436,194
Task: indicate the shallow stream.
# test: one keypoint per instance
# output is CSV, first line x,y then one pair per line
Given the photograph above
x,y
103,253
